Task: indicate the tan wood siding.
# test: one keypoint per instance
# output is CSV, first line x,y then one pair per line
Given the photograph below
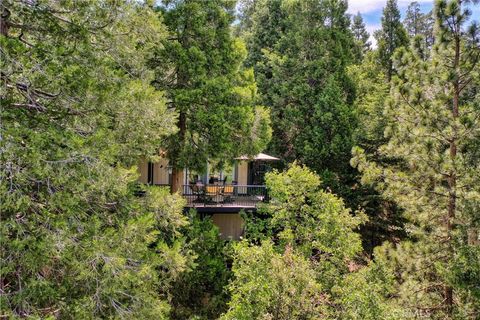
x,y
160,172
143,170
230,225
242,173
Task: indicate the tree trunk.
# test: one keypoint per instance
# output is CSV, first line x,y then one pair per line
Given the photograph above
x,y
177,180
177,172
452,180
4,19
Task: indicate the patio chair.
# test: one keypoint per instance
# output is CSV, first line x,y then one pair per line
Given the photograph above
x,y
198,192
228,194
213,193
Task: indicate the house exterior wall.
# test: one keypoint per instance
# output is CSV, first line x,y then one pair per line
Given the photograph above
x,y
143,171
242,173
230,225
160,171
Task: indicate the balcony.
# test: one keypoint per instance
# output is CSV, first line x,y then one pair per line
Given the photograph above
x,y
224,196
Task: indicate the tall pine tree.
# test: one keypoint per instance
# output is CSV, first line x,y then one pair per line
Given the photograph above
x,y
390,37
419,24
385,221
434,120
361,36
267,27
414,19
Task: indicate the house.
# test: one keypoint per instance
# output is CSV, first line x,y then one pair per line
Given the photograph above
x,y
222,194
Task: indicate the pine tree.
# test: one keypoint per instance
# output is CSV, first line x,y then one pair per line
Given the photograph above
x,y
302,78
77,112
385,222
419,24
361,36
434,119
267,27
414,19
200,68
391,37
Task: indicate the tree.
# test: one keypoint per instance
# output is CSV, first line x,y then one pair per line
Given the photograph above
x,y
365,292
413,19
76,108
302,78
200,68
385,219
272,285
419,24
246,10
306,229
433,118
391,37
361,36
312,221
201,292
307,218
268,23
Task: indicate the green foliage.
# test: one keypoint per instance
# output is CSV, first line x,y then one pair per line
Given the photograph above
x,y
372,91
89,87
361,36
201,293
432,117
272,285
310,219
265,28
420,24
364,293
386,221
301,220
299,51
77,107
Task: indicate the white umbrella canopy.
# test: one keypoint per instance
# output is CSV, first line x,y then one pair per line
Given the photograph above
x,y
260,156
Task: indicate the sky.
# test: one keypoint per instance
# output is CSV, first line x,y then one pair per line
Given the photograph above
x,y
371,11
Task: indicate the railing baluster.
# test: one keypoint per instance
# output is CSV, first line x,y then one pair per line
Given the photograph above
x,y
247,196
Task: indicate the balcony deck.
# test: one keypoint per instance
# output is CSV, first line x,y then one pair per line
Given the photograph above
x,y
224,197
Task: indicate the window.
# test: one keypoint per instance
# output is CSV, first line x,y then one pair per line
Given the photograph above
x,y
150,173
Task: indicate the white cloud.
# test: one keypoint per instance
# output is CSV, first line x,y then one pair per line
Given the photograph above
x,y
365,6
371,29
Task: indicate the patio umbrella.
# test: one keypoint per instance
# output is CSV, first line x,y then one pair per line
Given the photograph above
x,y
260,156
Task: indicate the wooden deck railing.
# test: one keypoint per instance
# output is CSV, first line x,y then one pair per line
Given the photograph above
x,y
248,196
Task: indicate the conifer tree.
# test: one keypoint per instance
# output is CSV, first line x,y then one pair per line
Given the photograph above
x,y
267,27
413,19
390,37
361,36
434,119
385,221
200,68
301,71
419,24
77,113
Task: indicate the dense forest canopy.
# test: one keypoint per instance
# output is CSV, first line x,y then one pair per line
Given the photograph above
x,y
373,211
